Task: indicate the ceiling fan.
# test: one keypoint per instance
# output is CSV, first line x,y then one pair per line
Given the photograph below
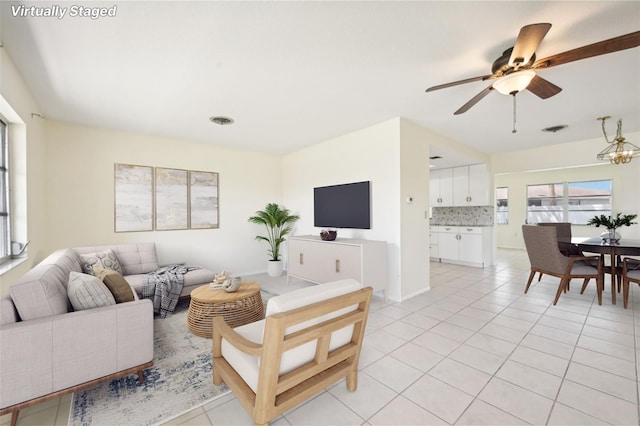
x,y
516,69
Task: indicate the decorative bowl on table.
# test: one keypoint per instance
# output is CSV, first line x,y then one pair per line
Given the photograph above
x,y
327,235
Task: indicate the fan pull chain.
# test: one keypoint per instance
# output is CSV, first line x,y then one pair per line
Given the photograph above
x,y
514,113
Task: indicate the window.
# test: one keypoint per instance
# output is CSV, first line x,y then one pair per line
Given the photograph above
x,y
5,237
574,202
502,205
587,199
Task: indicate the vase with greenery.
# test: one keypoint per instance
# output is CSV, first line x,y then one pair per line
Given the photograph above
x,y
278,222
612,223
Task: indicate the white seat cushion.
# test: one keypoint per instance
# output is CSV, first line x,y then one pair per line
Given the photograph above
x,y
248,366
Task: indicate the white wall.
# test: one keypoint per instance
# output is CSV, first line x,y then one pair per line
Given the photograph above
x,y
80,194
569,162
414,217
371,154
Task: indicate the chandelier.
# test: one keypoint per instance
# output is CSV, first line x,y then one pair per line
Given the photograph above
x,y
618,151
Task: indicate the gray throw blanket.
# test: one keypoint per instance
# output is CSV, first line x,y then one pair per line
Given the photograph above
x,y
164,286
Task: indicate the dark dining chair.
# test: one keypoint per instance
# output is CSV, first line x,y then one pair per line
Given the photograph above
x,y
630,274
563,232
544,254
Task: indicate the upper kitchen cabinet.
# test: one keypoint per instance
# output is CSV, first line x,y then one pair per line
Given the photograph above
x,y
441,188
460,186
471,185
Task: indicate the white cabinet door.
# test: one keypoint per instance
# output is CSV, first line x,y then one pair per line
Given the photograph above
x,y
461,186
479,185
441,188
448,244
302,257
470,249
344,262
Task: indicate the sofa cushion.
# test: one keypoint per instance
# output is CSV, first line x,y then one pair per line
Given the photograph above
x,y
248,365
105,259
116,284
8,313
88,292
40,293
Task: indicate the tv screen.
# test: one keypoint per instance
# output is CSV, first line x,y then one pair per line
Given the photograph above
x,y
342,206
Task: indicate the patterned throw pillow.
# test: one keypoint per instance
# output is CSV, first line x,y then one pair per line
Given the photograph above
x,y
106,259
88,292
116,283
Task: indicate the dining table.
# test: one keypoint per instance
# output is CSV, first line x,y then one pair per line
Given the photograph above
x,y
615,249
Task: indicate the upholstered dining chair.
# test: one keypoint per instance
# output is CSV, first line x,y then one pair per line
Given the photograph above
x,y
309,339
630,274
563,232
541,243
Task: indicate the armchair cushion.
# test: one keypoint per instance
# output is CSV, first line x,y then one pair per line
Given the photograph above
x,y
248,366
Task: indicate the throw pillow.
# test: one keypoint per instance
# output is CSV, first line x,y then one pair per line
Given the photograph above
x,y
106,259
88,292
116,283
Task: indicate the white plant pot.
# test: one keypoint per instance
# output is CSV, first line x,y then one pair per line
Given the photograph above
x,y
274,268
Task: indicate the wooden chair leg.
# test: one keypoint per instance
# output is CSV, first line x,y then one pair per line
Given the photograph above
x,y
625,293
141,376
539,276
584,285
599,287
352,381
561,287
14,417
531,275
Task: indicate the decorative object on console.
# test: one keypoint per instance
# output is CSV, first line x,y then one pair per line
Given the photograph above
x,y
328,235
277,221
618,151
612,223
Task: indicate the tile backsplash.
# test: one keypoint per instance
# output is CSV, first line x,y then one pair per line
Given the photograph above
x,y
462,216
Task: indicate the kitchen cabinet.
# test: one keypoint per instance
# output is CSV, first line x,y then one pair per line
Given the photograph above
x,y
471,185
312,259
434,252
441,188
469,245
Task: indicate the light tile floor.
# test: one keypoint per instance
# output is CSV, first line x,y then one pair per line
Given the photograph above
x,y
474,350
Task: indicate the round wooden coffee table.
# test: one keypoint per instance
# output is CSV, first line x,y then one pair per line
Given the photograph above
x,y
237,308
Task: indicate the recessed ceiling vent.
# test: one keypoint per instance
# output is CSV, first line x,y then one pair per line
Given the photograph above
x,y
554,129
223,121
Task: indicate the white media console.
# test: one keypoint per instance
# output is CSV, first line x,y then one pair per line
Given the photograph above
x,y
318,261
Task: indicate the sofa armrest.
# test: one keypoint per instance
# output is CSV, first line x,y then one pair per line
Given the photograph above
x,y
49,354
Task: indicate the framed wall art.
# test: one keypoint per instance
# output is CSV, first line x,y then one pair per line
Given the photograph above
x,y
133,205
172,195
203,200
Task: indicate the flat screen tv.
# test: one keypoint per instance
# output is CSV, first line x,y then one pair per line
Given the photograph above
x,y
342,206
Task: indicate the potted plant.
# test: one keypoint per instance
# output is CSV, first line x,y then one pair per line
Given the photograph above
x,y
277,221
612,223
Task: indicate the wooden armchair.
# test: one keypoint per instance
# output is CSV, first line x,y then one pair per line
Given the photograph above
x,y
310,338
544,254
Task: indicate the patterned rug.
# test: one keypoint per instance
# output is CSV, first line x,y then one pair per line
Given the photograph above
x,y
179,381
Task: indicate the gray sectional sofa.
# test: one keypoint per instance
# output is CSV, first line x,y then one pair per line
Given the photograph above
x,y
47,349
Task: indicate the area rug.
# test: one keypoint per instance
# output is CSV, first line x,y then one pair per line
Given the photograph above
x,y
179,381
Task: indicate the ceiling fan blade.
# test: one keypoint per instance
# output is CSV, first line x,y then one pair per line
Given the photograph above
x,y
543,88
611,45
456,83
477,98
527,42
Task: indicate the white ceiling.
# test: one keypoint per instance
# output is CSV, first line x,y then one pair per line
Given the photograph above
x,y
293,74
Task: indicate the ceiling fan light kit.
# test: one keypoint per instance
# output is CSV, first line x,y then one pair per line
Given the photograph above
x,y
619,151
515,82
